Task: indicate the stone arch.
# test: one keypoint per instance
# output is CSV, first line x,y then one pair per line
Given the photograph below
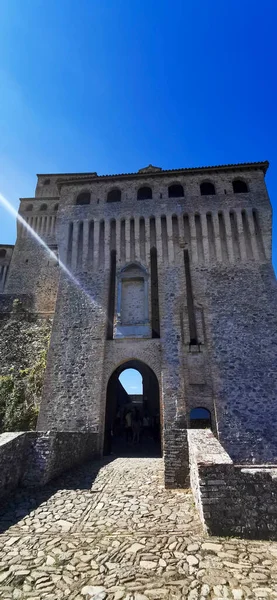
x,y
200,418
83,198
240,186
144,409
114,195
207,188
175,190
144,193
138,355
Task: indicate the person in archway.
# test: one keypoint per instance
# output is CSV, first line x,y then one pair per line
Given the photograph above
x,y
156,428
128,426
146,426
136,427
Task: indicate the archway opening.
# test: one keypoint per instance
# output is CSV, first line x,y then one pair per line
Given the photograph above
x,y
132,419
200,418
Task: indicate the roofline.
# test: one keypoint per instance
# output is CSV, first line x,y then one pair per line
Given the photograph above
x,y
86,177
65,174
7,245
35,198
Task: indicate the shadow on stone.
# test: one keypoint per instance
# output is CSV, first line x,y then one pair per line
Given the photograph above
x,y
25,500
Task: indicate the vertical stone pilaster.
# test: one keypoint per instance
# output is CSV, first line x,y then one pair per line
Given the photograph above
x,y
253,236
107,245
206,249
229,237
117,242
170,239
147,241
194,251
242,245
75,246
137,245
218,249
158,226
181,230
96,244
85,244
47,227
127,240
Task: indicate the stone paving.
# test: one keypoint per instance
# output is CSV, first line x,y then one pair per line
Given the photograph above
x,y
111,531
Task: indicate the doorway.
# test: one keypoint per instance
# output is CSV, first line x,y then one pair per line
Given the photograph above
x,y
132,419
200,418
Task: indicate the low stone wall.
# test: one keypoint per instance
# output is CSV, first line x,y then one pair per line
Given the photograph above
x,y
176,458
12,452
33,458
231,499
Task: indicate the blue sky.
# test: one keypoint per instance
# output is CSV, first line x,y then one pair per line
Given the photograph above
x,y
113,85
131,380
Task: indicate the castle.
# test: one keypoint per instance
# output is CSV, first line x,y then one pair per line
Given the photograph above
x,y
165,271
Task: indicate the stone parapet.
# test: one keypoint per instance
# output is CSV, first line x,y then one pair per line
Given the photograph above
x,y
33,458
176,459
231,499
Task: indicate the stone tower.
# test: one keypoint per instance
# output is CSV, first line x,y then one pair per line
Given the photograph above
x,y
171,273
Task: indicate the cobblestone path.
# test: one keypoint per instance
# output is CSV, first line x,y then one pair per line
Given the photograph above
x,y
112,531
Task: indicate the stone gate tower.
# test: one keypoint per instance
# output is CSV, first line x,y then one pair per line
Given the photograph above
x,y
169,268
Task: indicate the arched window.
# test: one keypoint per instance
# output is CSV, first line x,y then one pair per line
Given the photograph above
x,y
56,207
3,253
83,198
43,207
175,191
144,193
114,195
29,207
239,186
207,188
200,418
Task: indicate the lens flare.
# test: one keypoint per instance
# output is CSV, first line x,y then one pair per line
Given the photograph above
x,y
8,206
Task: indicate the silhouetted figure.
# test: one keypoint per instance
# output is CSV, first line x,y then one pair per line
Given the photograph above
x,y
136,427
128,426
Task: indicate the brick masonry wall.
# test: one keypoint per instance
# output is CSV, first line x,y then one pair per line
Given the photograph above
x,y
73,380
231,500
33,458
12,451
242,324
176,457
23,335
49,454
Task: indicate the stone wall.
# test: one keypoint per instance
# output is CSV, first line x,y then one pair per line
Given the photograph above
x,y
241,325
34,458
232,500
24,339
12,462
176,457
35,272
50,453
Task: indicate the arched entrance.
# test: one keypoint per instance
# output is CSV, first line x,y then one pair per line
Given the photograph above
x,y
200,418
132,421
